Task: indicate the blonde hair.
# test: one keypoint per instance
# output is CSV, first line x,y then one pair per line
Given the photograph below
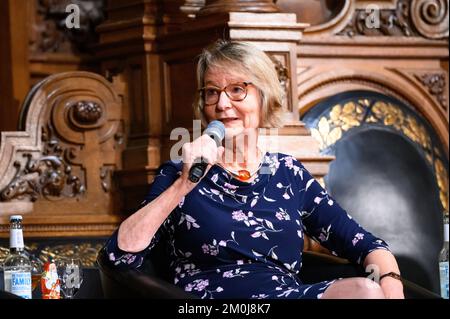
x,y
245,59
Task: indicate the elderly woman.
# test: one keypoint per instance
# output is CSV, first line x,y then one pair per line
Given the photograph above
x,y
238,232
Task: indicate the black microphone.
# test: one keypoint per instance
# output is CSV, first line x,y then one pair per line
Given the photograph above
x,y
215,130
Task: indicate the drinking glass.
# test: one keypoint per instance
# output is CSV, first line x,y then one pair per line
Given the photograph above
x,y
37,267
70,274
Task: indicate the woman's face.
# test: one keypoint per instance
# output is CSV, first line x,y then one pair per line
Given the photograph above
x,y
237,116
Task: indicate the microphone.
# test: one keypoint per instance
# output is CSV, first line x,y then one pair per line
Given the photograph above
x,y
215,130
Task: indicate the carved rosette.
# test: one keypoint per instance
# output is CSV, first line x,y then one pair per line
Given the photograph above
x,y
430,18
435,82
85,114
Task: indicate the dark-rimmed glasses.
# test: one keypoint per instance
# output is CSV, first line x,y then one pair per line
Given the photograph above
x,y
234,91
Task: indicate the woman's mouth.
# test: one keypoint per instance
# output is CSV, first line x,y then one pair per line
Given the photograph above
x,y
229,119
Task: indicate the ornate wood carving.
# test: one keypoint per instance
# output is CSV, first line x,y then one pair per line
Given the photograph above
x,y
426,18
435,82
430,17
281,65
86,113
49,31
49,177
64,159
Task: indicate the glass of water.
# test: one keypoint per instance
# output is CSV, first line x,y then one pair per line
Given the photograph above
x,y
70,274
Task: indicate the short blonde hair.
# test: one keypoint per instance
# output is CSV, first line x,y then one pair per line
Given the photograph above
x,y
243,58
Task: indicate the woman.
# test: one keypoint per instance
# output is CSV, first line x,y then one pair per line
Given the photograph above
x,y
238,232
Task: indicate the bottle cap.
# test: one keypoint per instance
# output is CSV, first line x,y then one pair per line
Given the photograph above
x,y
14,217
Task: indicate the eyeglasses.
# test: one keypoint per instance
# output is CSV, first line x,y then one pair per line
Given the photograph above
x,y
234,91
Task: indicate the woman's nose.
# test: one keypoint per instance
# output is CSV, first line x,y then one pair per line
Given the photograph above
x,y
224,101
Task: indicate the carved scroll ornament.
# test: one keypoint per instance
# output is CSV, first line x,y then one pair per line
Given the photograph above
x,y
430,18
426,18
48,177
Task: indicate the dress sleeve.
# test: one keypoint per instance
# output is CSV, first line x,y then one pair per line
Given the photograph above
x,y
168,173
325,221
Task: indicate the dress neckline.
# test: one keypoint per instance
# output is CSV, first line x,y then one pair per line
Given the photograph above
x,y
225,179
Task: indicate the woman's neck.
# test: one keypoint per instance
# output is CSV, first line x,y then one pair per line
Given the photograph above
x,y
242,152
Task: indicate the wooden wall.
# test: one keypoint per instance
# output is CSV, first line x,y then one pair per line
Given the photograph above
x,y
146,51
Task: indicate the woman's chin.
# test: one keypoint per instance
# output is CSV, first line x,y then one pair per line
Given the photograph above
x,y
231,131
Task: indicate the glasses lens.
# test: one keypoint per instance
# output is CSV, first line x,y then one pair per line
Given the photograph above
x,y
236,92
210,95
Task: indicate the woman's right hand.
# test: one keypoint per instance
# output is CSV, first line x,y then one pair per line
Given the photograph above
x,y
205,147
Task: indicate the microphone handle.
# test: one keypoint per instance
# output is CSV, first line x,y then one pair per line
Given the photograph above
x,y
197,170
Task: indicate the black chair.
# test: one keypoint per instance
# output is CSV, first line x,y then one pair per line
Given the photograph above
x,y
150,280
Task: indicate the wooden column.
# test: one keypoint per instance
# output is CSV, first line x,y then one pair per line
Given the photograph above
x,y
217,6
129,51
14,76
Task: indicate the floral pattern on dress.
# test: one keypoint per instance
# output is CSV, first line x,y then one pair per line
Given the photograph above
x,y
232,239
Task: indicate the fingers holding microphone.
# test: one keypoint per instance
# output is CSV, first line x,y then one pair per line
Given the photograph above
x,y
202,153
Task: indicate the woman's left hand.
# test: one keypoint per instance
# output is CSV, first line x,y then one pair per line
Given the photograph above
x,y
392,288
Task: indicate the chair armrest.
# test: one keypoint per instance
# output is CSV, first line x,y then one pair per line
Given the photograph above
x,y
318,267
133,283
414,291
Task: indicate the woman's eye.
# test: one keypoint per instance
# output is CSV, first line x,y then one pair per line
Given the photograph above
x,y
237,89
210,92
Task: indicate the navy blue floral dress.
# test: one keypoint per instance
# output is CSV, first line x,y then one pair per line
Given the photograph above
x,y
233,239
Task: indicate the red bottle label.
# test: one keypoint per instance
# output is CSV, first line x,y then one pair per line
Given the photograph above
x,y
50,285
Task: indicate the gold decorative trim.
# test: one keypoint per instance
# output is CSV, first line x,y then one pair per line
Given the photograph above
x,y
86,251
66,228
342,118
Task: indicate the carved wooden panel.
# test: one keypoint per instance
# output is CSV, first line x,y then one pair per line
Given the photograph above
x,y
63,161
48,28
53,47
424,18
405,56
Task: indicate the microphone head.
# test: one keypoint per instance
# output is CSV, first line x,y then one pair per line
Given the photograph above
x,y
216,130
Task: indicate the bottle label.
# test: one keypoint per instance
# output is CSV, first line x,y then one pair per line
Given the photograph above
x,y
443,269
16,238
21,284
